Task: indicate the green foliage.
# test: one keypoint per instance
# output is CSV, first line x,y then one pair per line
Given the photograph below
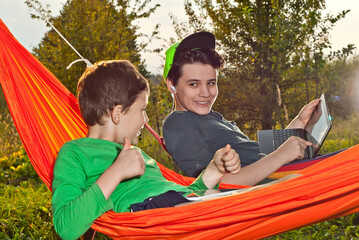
x,y
99,30
337,79
9,139
158,107
26,212
344,134
16,168
272,49
152,148
340,228
25,201
159,102
340,79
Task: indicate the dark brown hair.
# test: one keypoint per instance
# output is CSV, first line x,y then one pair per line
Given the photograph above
x,y
107,84
199,55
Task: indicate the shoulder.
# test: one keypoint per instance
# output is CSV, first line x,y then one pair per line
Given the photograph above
x,y
70,153
178,116
179,119
216,115
69,146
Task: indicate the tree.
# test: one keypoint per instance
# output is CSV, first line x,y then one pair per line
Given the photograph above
x,y
99,30
262,41
102,30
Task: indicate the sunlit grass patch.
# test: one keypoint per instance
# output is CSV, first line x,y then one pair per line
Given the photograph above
x,y
25,211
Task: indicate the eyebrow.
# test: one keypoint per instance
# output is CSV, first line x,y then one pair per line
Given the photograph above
x,y
196,80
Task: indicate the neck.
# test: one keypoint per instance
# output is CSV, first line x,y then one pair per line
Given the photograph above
x,y
103,132
178,106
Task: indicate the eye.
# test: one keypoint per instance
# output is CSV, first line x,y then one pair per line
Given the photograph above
x,y
193,84
212,83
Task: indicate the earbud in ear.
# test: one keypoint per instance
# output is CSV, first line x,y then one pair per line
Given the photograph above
x,y
173,88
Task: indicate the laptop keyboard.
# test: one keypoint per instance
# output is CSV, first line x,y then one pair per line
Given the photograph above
x,y
280,136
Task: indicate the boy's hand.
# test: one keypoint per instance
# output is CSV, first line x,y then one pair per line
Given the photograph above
x,y
130,161
129,164
301,120
227,160
292,149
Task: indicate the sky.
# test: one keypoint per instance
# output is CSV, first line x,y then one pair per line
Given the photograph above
x,y
29,32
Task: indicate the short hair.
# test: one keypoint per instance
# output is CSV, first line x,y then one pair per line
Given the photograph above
x,y
200,55
105,85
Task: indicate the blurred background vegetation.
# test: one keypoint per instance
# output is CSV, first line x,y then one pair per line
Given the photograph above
x,y
278,58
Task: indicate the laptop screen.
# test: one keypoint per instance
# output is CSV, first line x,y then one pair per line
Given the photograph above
x,y
319,124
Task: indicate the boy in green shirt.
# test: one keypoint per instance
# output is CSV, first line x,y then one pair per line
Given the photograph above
x,y
103,172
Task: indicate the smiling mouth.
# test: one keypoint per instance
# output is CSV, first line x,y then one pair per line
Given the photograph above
x,y
203,102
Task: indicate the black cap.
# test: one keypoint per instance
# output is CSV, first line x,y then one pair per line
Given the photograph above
x,y
193,41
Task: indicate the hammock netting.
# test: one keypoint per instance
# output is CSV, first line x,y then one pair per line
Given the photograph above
x,y
46,116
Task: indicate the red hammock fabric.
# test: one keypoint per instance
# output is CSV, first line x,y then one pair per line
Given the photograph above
x,y
46,115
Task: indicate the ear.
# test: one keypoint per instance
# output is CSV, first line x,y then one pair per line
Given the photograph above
x,y
171,88
116,114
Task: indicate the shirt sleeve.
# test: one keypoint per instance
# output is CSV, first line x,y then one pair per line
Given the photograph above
x,y
74,206
198,184
185,144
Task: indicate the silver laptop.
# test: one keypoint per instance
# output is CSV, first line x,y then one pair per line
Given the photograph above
x,y
315,131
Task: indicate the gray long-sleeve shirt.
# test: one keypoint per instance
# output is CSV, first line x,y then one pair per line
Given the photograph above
x,y
192,140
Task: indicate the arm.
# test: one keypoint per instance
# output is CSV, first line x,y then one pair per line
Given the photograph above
x,y
226,160
304,115
128,164
74,205
250,175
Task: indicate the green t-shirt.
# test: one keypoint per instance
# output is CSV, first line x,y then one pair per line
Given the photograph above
x,y
77,199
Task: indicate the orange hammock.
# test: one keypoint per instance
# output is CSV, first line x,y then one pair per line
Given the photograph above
x,y
46,116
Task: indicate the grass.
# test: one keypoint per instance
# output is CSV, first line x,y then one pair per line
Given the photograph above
x,y
25,211
340,228
344,134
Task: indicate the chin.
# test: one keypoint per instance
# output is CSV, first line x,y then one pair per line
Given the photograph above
x,y
202,111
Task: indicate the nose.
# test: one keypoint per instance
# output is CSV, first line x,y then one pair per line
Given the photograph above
x,y
204,91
